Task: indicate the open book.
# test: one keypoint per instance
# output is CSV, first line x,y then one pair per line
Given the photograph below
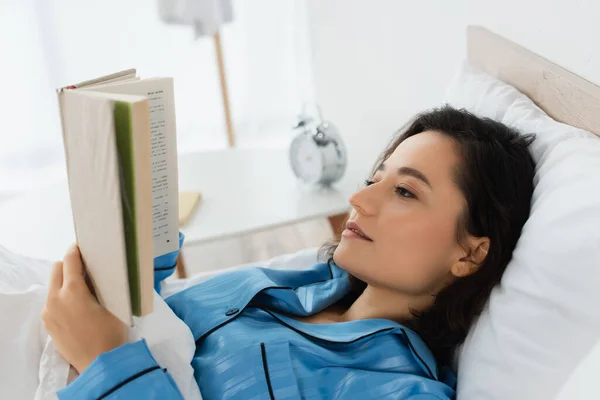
x,y
120,146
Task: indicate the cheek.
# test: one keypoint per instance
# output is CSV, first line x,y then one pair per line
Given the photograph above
x,y
411,255
419,236
417,255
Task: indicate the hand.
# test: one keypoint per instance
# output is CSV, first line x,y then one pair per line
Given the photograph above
x,y
80,327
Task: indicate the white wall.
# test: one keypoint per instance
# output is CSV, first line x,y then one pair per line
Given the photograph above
x,y
378,62
45,44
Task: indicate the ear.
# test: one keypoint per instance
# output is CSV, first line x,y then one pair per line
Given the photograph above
x,y
473,257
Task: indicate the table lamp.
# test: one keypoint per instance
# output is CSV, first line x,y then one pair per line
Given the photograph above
x,y
206,17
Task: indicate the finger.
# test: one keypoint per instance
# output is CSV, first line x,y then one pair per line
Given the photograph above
x,y
56,278
73,266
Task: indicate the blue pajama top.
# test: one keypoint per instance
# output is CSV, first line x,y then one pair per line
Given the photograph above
x,y
247,348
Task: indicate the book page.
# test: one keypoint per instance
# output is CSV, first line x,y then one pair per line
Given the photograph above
x,y
116,77
165,190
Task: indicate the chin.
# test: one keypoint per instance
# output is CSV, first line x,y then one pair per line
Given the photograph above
x,y
350,258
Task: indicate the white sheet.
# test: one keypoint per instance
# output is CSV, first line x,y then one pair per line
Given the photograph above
x,y
30,366
22,340
22,337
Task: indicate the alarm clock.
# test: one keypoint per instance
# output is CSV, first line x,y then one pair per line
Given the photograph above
x,y
317,153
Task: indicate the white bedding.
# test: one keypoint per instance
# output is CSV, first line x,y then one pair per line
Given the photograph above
x,y
22,337
542,319
30,367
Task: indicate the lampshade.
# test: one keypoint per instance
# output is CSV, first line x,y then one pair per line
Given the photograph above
x,y
206,16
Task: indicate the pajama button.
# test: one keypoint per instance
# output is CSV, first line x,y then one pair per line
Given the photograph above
x,y
232,311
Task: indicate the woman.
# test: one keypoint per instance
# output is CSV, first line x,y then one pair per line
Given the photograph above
x,y
428,237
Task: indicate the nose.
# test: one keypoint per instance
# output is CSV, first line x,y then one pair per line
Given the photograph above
x,y
364,201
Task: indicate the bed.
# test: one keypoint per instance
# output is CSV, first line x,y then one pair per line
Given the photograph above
x,y
486,370
538,337
563,95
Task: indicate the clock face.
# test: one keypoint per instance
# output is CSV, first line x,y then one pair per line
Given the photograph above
x,y
306,159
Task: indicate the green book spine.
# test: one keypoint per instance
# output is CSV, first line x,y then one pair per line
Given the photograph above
x,y
124,130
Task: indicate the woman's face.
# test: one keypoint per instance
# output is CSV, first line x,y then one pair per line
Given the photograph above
x,y
410,213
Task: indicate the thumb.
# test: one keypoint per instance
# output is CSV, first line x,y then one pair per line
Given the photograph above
x,y
73,266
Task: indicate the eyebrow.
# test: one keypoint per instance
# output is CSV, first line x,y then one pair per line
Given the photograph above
x,y
415,173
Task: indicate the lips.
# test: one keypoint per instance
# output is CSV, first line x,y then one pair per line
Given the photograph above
x,y
353,226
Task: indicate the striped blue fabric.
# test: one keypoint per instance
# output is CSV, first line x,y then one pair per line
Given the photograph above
x,y
247,348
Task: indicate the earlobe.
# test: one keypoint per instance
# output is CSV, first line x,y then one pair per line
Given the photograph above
x,y
463,268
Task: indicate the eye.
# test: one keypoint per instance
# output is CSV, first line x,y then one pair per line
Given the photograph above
x,y
402,192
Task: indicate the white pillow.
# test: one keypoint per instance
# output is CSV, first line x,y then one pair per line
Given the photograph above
x,y
583,382
544,317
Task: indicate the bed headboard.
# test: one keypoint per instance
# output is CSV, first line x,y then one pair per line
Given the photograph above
x,y
563,95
